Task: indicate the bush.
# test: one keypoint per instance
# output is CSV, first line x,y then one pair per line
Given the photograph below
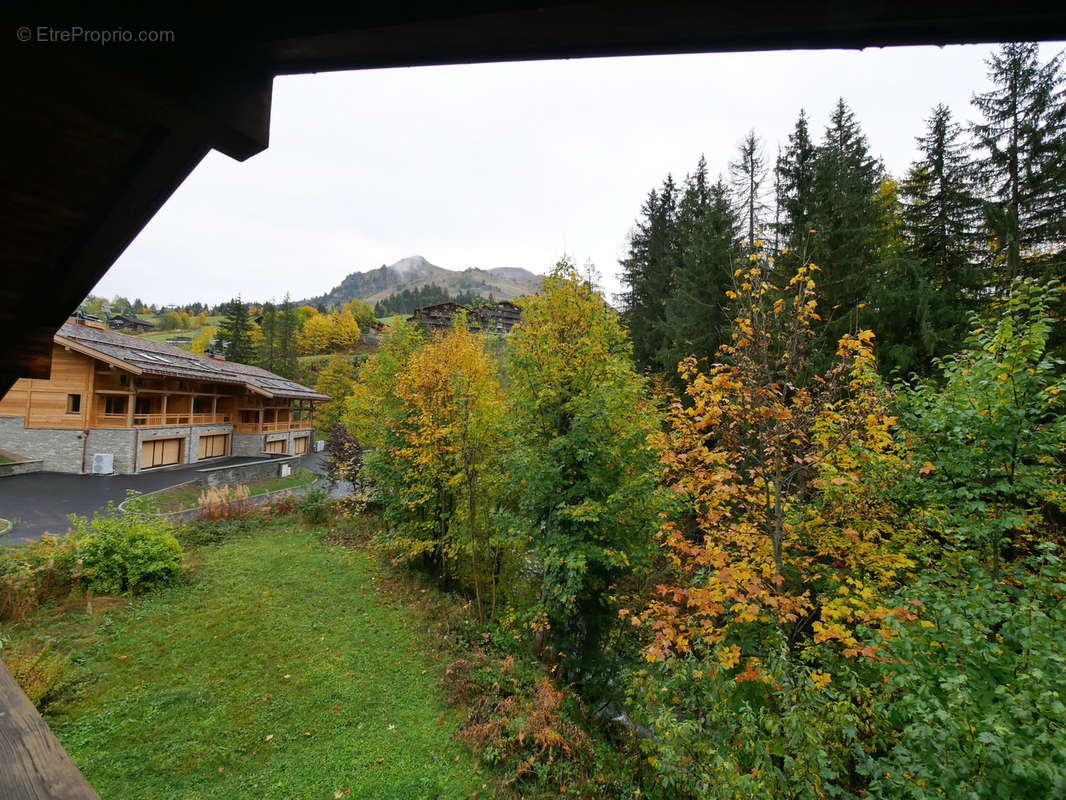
x,y
313,505
125,553
971,700
110,554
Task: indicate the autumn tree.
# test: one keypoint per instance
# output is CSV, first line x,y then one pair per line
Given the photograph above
x,y
581,471
316,334
336,380
343,331
788,548
451,437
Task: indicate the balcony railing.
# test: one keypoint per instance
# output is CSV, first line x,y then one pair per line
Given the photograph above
x,y
273,427
160,420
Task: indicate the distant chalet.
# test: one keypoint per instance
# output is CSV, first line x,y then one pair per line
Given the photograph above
x,y
149,404
496,318
125,322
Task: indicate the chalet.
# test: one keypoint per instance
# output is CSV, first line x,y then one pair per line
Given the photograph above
x,y
128,322
149,404
497,318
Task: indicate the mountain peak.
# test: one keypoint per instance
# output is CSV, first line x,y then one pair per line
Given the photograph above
x,y
412,265
415,272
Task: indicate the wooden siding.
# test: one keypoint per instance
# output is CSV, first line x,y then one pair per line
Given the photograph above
x,y
13,404
46,403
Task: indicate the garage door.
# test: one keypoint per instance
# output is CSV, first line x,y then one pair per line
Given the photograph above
x,y
299,444
275,446
161,452
214,446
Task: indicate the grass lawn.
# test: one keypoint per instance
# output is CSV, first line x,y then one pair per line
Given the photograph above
x,y
178,498
280,671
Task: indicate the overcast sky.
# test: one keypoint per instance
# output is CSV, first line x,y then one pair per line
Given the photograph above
x,y
503,165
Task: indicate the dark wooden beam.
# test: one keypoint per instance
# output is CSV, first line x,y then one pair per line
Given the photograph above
x,y
137,193
526,31
34,764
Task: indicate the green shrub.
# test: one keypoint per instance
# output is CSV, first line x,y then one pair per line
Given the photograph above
x,y
111,553
125,553
312,505
973,698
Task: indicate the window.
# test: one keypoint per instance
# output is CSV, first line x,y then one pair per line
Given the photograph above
x,y
73,403
249,417
123,380
115,405
144,405
201,405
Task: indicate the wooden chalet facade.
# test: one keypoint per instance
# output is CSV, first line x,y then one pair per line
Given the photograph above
x,y
149,405
497,318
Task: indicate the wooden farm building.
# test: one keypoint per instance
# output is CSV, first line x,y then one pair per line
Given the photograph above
x,y
497,318
149,404
128,322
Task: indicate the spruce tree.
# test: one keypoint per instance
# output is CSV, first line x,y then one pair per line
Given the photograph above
x,y
235,332
695,313
748,174
647,274
286,363
848,222
1023,138
269,343
925,302
795,194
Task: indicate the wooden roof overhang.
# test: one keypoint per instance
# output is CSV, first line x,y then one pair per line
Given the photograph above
x,y
99,136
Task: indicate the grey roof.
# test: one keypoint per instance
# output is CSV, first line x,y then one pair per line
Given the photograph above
x,y
158,358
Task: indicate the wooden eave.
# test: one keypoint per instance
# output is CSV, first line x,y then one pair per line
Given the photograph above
x,y
77,347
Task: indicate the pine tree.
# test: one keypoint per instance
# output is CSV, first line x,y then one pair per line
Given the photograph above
x,y
269,329
748,174
235,332
647,274
288,324
1023,136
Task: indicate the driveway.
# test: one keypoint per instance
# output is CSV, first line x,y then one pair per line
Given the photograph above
x,y
39,503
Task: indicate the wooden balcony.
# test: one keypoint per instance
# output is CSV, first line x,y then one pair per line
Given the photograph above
x,y
158,420
273,427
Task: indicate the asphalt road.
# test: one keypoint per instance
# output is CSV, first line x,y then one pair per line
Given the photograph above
x,y
40,502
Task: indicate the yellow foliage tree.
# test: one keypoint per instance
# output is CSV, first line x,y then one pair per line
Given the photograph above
x,y
315,336
451,435
344,331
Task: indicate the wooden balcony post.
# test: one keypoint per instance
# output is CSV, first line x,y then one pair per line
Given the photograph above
x,y
129,411
164,415
214,408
